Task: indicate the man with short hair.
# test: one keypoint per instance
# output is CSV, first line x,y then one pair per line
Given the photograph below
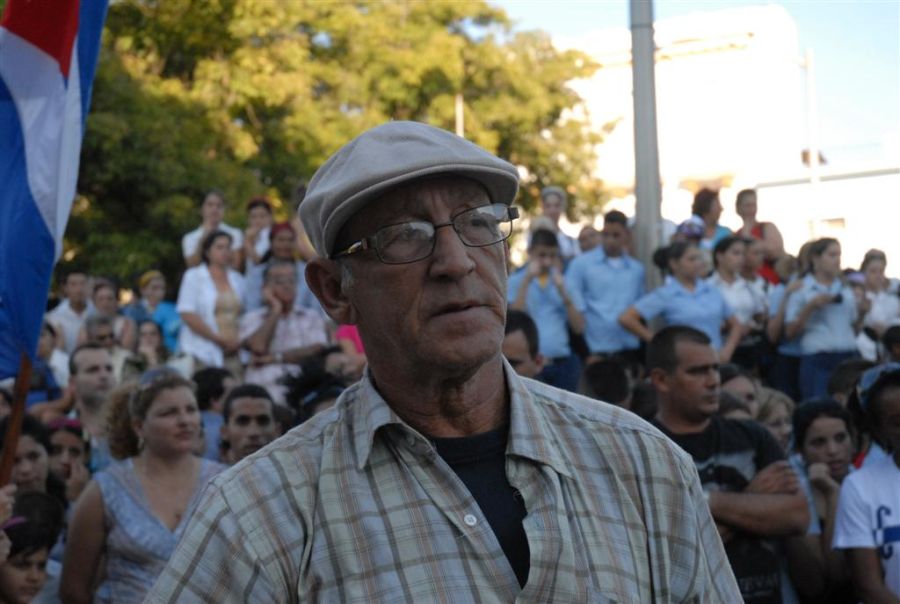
x,y
92,379
752,492
282,334
553,206
604,283
249,422
442,475
539,289
100,330
521,344
70,314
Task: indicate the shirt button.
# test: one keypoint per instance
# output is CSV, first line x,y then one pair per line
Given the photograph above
x,y
470,520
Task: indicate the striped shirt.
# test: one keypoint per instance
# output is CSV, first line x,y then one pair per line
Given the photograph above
x,y
356,506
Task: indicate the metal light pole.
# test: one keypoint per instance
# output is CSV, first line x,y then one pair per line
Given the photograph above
x,y
647,189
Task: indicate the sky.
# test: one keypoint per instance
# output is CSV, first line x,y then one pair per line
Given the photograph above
x,y
856,46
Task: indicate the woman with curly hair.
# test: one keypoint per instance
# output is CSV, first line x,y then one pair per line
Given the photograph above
x,y
134,512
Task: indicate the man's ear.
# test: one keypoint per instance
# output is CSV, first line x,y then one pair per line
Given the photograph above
x,y
660,379
540,361
324,279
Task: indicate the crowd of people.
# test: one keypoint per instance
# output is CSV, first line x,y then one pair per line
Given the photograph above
x,y
778,375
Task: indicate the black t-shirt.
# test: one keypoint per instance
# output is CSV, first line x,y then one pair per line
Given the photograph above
x,y
480,462
727,455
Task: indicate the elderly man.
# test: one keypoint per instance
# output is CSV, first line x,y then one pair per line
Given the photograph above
x,y
442,475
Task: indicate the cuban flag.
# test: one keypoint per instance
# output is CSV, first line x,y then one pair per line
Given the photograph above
x,y
48,55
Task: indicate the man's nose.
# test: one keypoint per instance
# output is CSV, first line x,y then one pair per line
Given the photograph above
x,y
451,256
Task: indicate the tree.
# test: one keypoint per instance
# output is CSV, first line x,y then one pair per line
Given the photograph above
x,y
250,96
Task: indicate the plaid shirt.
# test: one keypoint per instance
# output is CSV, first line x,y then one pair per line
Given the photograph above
x,y
356,506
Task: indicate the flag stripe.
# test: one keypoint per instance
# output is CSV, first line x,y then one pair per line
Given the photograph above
x,y
51,25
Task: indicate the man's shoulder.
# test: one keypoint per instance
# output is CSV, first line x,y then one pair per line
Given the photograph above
x,y
743,434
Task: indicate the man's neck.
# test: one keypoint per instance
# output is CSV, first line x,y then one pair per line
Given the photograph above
x,y
91,419
77,306
678,424
448,406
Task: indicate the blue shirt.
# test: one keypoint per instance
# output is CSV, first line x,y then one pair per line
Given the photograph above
x,y
829,328
165,316
790,348
546,307
704,308
602,288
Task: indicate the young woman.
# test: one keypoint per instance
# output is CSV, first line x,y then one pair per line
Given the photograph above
x,y
775,409
824,315
686,299
867,527
880,295
31,468
209,301
282,246
132,514
151,351
151,305
765,232
69,456
34,528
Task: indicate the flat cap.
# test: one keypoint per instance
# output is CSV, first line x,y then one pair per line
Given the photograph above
x,y
386,157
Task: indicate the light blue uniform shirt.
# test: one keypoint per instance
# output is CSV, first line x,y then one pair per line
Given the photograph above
x,y
602,288
704,308
789,348
830,328
546,307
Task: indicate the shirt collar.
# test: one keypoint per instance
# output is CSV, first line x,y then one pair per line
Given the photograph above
x,y
531,435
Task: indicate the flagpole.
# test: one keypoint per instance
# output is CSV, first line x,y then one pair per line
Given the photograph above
x,y
14,425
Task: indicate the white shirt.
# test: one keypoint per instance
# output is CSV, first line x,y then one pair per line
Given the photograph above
x,y
70,322
191,241
868,516
197,295
741,295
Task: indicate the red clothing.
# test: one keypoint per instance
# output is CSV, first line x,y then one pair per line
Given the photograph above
x,y
767,270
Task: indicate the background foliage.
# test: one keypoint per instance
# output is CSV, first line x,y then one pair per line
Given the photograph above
x,y
251,97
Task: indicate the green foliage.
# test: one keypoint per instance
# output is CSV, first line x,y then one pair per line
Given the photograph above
x,y
250,97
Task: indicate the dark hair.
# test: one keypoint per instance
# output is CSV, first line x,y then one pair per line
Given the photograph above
x,y
92,323
844,377
606,380
742,194
730,371
103,284
210,385
810,411
69,269
729,402
868,417
260,201
615,217
208,243
518,320
43,521
662,353
663,256
543,237
891,337
725,244
32,427
276,262
217,192
643,400
818,247
73,427
870,257
245,391
703,201
73,367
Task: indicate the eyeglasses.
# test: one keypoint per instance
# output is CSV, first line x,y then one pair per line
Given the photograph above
x,y
871,377
409,242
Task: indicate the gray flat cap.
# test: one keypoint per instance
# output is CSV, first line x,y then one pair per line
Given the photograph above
x,y
386,157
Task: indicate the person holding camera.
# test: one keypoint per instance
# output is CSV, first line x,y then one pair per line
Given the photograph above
x,y
823,313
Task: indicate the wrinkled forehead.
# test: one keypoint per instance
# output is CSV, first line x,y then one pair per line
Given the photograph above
x,y
416,200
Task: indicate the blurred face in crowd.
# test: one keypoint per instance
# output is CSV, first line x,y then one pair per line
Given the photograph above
x,y
94,372
553,207
154,291
105,301
103,335
149,335
874,274
283,281
589,238
259,217
779,424
250,427
172,422
746,207
689,266
23,576
887,417
46,342
715,212
691,390
828,264
219,253
744,389
827,441
615,238
443,313
66,451
213,210
284,245
731,261
31,466
516,351
545,257
75,289
754,256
